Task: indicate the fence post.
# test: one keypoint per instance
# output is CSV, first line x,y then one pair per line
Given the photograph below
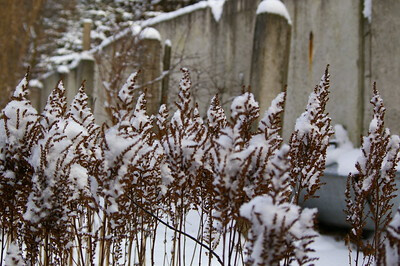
x,y
270,57
87,27
150,63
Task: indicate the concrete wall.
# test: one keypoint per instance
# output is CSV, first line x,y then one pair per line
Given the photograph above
x,y
325,32
384,61
72,80
223,56
218,53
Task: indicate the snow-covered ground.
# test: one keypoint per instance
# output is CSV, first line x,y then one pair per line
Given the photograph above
x,y
330,249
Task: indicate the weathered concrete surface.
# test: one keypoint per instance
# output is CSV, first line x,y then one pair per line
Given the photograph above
x,y
385,61
72,80
166,67
117,61
85,72
217,53
271,49
219,56
325,32
35,97
49,83
150,63
234,46
190,39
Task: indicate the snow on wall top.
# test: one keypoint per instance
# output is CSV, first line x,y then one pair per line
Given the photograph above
x,y
215,5
216,9
274,7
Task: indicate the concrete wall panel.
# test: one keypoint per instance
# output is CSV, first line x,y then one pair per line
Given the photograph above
x,y
385,61
325,32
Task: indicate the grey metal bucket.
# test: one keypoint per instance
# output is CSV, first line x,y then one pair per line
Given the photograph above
x,y
331,202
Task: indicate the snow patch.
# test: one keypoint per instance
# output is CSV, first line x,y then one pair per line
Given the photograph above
x,y
344,154
176,13
63,69
150,33
35,83
217,6
87,20
274,7
367,11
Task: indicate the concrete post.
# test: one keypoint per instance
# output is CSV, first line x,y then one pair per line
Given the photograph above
x,y
87,27
85,72
385,63
270,58
35,96
49,83
150,64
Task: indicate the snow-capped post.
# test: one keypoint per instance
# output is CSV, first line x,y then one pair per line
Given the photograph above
x,y
87,27
150,62
271,48
35,93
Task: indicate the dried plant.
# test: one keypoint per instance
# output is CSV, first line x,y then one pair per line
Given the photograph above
x,y
389,252
309,142
369,193
75,193
279,232
18,133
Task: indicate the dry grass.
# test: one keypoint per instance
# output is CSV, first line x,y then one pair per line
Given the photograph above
x,y
75,193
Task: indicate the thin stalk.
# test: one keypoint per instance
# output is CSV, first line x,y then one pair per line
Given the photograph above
x,y
223,245
137,246
241,251
46,250
153,244
11,232
199,235
142,248
108,248
179,237
210,235
165,246
173,253
299,188
194,250
357,254
130,250
231,241
184,239
71,252
89,237
80,252
102,238
237,245
2,246
202,233
376,220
